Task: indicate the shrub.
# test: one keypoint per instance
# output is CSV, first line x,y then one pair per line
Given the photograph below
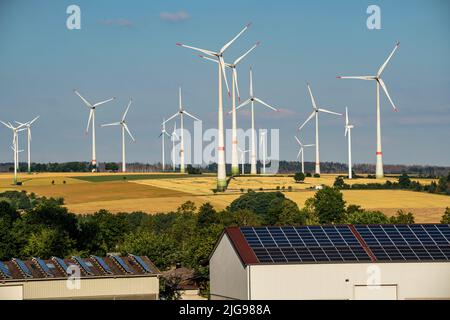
x,y
367,217
402,217
329,205
446,216
308,175
316,175
299,177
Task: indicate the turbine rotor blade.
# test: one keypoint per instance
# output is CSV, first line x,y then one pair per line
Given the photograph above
x,y
383,85
207,52
298,140
236,62
357,77
243,104
103,102
383,66
307,120
32,121
128,131
224,74
229,43
208,58
236,83
89,119
171,117
346,116
265,104
330,112
88,104
190,115
111,124
251,82
126,111
313,101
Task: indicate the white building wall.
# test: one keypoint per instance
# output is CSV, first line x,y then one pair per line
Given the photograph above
x,y
109,288
328,281
228,276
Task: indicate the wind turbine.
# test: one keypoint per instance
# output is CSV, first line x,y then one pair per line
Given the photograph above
x,y
162,136
243,152
181,111
262,143
348,134
92,108
380,82
315,113
124,126
234,90
15,146
221,170
27,125
302,152
174,137
252,101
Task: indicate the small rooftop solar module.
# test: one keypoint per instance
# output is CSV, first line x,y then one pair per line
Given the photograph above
x,y
4,270
41,263
121,263
83,265
102,264
23,268
141,262
61,263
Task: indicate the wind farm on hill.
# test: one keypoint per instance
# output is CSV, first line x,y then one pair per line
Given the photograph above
x,y
165,191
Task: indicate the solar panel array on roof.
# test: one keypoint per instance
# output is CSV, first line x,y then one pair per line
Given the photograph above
x,y
304,244
141,262
417,242
102,264
121,263
23,268
4,270
41,263
83,265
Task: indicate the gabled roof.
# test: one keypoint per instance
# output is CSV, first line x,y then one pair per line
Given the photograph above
x,y
52,269
341,243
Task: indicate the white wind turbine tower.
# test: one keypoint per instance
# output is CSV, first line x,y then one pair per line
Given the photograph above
x,y
92,117
27,125
221,169
252,101
15,146
380,82
162,136
302,152
315,114
174,137
243,152
348,134
181,111
234,90
262,142
124,126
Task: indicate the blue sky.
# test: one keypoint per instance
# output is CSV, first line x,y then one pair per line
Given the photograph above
x,y
127,49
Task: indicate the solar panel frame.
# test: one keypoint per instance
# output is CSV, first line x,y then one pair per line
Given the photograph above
x,y
122,264
62,264
41,263
142,263
102,264
23,267
5,270
83,265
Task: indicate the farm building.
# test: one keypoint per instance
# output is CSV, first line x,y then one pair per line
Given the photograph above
x,y
332,262
112,277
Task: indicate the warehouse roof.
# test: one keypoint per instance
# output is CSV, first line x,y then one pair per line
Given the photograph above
x,y
92,267
341,243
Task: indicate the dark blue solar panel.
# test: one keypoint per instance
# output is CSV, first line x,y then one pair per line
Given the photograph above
x,y
26,272
4,270
83,265
61,263
102,264
41,263
141,262
122,264
415,242
304,244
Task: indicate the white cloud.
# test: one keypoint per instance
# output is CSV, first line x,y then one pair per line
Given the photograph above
x,y
175,17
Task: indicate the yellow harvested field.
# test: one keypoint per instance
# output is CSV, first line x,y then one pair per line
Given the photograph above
x,y
163,195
